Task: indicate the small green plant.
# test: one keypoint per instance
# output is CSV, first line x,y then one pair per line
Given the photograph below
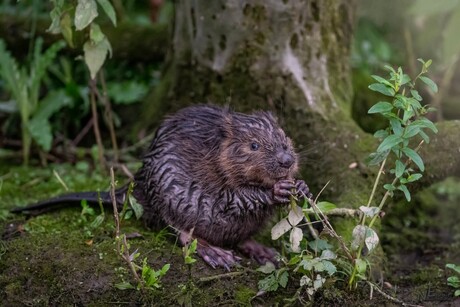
x,y
188,250
407,123
316,260
24,85
275,278
149,279
454,281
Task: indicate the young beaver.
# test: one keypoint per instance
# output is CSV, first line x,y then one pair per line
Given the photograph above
x,y
214,175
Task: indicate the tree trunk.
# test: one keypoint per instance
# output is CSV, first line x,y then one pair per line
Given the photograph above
x,y
291,57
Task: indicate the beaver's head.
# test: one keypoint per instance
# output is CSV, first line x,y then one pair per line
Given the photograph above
x,y
256,151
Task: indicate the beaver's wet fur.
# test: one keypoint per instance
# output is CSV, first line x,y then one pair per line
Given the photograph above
x,y
215,175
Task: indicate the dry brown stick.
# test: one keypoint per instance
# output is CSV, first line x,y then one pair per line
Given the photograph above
x,y
108,112
97,132
83,132
125,254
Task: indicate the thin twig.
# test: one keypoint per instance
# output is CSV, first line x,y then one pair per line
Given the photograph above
x,y
83,132
97,132
115,208
108,112
125,254
389,297
221,276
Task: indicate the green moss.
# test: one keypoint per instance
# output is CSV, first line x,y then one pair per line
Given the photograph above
x,y
244,295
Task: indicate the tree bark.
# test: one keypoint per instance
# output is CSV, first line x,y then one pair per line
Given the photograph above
x,y
291,57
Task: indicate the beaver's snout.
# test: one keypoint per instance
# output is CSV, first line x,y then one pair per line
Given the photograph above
x,y
285,159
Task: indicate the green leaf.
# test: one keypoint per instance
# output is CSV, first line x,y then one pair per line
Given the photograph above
x,y
95,34
380,134
40,130
137,208
381,107
406,192
404,79
268,284
454,267
66,29
328,255
457,293
389,187
85,13
95,55
415,157
108,9
414,177
319,245
97,221
389,142
382,80
124,286
414,103
283,279
408,114
55,15
325,206
361,266
430,83
453,281
400,168
416,95
424,136
410,131
426,123
383,89
389,68
52,104
329,267
396,127
377,157
267,268
165,269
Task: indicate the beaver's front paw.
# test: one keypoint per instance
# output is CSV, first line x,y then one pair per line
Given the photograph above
x,y
302,189
282,190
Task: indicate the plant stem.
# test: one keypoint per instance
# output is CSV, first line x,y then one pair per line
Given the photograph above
x,y
97,132
374,188
121,240
108,112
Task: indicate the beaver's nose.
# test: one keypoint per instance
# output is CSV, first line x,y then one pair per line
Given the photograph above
x,y
285,159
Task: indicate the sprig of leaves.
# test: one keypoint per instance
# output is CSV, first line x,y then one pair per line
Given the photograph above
x,y
67,18
406,122
405,115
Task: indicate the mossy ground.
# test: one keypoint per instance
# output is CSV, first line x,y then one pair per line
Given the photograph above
x,y
60,259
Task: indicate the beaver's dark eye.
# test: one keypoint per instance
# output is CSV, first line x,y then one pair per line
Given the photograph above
x,y
254,146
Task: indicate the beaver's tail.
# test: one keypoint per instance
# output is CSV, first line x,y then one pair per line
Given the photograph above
x,y
72,199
